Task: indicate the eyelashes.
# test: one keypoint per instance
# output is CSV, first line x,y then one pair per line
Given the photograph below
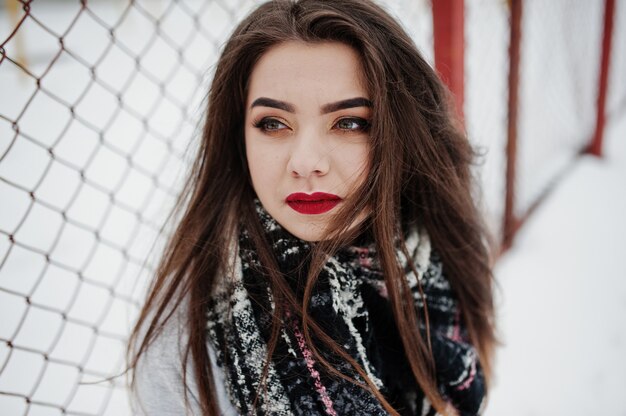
x,y
269,124
343,125
352,124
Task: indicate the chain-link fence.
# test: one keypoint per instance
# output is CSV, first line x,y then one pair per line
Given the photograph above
x,y
559,72
552,93
99,103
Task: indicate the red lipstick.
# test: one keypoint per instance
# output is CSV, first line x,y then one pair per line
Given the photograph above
x,y
315,203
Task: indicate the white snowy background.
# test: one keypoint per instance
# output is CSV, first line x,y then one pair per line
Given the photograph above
x,y
83,192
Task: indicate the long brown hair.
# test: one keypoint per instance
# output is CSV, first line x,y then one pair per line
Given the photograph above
x,y
419,175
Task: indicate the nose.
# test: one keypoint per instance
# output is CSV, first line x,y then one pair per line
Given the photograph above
x,y
309,156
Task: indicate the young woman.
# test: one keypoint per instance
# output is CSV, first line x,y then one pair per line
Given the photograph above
x,y
330,259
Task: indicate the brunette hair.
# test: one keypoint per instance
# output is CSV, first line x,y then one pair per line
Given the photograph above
x,y
419,175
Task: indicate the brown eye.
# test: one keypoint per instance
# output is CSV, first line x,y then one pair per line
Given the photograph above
x,y
351,124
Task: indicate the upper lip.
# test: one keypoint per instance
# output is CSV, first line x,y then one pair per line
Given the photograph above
x,y
315,196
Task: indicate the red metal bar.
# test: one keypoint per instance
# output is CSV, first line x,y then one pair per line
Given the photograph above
x,y
595,147
511,222
449,42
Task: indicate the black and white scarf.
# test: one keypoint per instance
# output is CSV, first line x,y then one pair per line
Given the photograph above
x,y
350,303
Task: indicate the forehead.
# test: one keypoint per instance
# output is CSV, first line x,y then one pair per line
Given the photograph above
x,y
299,71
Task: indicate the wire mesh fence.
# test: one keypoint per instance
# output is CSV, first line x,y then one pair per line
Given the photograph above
x,y
486,69
560,65
556,104
99,105
104,98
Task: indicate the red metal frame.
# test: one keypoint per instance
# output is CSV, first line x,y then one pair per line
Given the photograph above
x,y
511,222
595,147
449,43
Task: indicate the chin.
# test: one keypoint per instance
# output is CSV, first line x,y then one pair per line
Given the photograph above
x,y
308,232
317,231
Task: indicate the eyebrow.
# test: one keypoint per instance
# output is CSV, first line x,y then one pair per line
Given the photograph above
x,y
326,108
269,102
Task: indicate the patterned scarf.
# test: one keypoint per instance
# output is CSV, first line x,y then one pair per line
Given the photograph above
x,y
350,303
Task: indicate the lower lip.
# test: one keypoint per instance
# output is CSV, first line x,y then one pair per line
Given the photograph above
x,y
313,207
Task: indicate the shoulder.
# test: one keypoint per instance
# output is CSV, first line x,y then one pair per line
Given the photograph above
x,y
160,371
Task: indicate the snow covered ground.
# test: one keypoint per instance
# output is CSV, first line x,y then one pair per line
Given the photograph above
x,y
562,297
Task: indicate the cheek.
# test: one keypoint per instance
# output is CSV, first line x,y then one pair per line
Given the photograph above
x,y
264,165
255,163
356,163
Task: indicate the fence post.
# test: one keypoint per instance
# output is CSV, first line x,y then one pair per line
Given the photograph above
x,y
595,147
511,223
449,45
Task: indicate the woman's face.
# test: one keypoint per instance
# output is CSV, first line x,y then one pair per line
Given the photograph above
x,y
306,134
